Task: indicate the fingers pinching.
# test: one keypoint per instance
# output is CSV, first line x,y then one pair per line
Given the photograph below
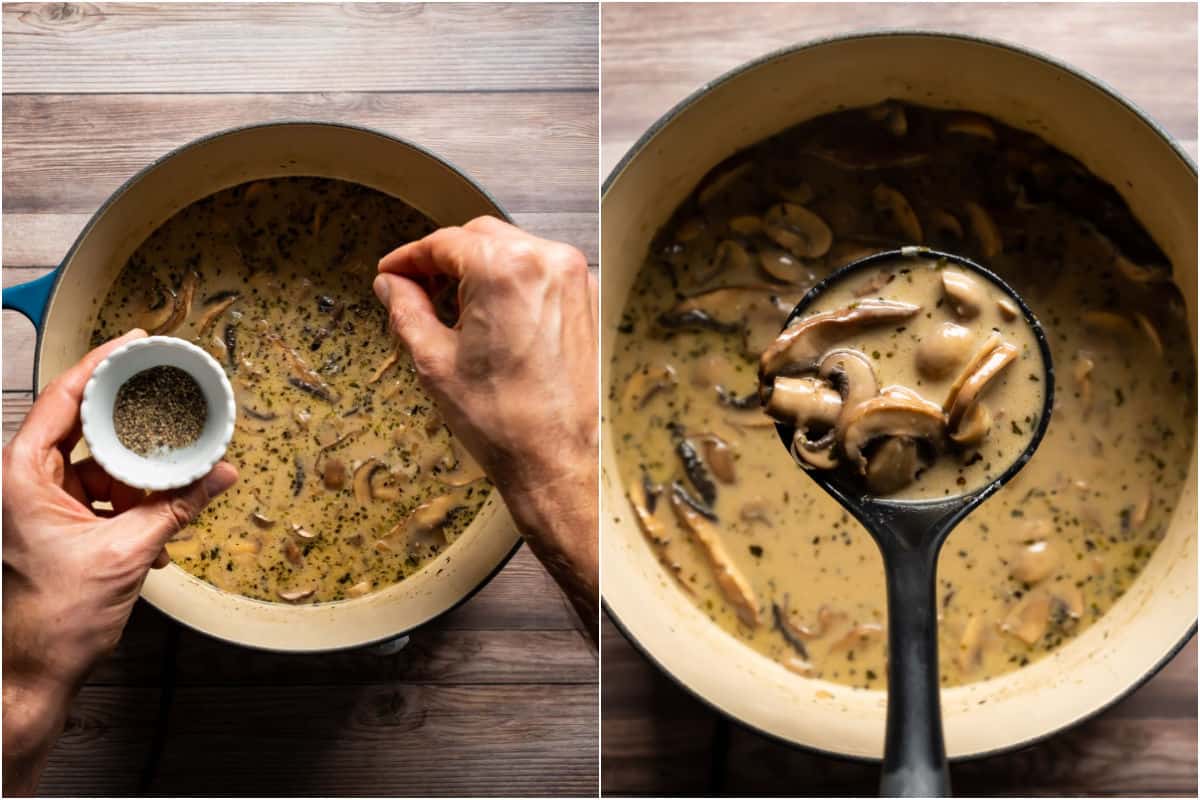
x,y
411,317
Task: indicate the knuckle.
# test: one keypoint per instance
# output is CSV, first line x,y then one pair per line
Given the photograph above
x,y
179,512
568,261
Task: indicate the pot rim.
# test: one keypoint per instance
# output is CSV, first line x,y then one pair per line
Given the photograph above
x,y
782,52
120,192
698,94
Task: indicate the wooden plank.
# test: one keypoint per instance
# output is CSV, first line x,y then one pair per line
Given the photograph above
x,y
655,735
42,240
390,740
105,744
644,73
380,47
1152,757
534,152
656,738
333,741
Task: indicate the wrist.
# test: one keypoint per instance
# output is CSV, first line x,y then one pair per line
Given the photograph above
x,y
35,711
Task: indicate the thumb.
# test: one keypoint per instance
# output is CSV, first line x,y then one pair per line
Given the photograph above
x,y
412,318
164,514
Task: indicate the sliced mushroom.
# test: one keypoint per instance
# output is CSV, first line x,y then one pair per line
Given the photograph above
x,y
425,526
1150,331
970,646
995,355
262,520
892,414
783,267
722,183
392,360
939,353
718,454
214,308
966,294
893,465
303,376
746,225
944,225
973,427
1141,511
334,473
696,470
783,624
1036,561
363,491
1081,371
811,405
797,230
851,373
1108,321
799,348
296,595
733,584
160,305
292,553
1008,309
464,470
972,126
892,116
801,193
860,160
721,310
864,633
181,308
647,382
984,229
755,510
900,215
300,532
1030,617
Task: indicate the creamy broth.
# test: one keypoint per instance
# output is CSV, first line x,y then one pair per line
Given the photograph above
x,y
349,479
1036,564
919,379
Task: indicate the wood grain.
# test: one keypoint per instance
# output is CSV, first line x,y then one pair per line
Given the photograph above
x,y
659,740
500,695
372,47
1146,52
42,240
534,152
320,741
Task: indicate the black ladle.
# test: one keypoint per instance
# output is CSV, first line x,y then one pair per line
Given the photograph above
x,y
910,533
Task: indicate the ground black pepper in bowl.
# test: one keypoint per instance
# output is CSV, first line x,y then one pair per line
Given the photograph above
x,y
159,409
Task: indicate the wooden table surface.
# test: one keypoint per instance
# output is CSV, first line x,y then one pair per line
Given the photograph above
x,y
500,696
657,739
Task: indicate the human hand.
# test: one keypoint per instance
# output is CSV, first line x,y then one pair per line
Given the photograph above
x,y
515,378
71,572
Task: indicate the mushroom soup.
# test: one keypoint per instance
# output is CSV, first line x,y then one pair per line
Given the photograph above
x,y
766,553
921,379
349,479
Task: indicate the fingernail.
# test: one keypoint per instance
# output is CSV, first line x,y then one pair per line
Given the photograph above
x,y
221,478
382,287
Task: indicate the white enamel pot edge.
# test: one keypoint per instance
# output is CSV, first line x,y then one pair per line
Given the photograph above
x,y
196,170
1157,615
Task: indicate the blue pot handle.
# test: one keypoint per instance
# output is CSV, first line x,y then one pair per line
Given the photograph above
x,y
30,298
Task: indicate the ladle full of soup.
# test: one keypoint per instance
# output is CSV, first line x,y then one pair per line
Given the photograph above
x,y
910,385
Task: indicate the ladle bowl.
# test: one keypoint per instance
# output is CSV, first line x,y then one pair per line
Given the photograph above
x,y
910,534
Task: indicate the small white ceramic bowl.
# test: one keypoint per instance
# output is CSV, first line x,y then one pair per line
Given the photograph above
x,y
175,468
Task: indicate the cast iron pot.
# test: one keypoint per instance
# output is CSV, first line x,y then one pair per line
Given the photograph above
x,y
1154,619
63,305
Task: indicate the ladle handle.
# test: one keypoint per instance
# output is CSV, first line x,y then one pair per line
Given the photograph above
x,y
914,760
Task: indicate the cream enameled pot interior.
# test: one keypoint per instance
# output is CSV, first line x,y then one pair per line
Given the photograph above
x,y
194,172
1154,617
